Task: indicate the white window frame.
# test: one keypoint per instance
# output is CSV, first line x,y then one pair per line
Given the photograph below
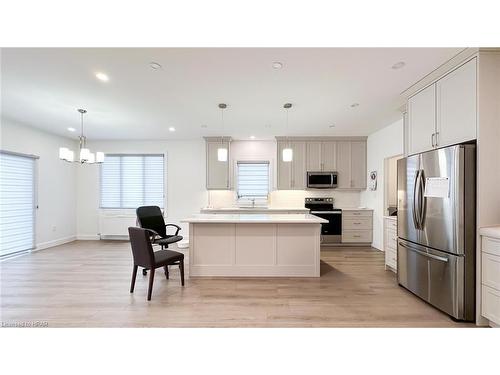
x,y
246,201
165,179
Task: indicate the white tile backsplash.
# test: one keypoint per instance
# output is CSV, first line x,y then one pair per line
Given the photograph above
x,y
287,198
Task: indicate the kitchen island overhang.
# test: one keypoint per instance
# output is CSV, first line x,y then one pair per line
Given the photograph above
x,y
253,245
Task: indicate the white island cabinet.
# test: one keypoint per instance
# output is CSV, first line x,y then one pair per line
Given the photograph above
x,y
254,245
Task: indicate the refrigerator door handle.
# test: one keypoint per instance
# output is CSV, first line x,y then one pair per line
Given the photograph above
x,y
414,211
421,200
432,256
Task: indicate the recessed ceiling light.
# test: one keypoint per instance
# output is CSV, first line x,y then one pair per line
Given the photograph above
x,y
252,137
354,105
171,129
71,129
268,125
102,77
398,65
154,65
203,126
277,65
332,126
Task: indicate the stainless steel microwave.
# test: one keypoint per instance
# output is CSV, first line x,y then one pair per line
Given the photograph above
x,y
322,180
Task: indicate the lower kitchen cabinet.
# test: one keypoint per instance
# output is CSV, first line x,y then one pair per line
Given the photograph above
x,y
357,226
490,274
391,243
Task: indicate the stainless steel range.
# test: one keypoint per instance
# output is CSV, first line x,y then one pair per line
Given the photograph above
x,y
331,232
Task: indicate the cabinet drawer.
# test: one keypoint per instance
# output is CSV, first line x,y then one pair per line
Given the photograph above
x,y
357,236
354,213
391,224
490,246
491,304
361,222
491,270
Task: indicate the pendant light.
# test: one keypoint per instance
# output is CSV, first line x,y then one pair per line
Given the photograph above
x,y
222,150
85,156
287,153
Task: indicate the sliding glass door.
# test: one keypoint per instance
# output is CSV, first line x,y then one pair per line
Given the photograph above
x,y
17,203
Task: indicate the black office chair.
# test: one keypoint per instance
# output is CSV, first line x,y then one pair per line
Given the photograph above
x,y
151,217
144,256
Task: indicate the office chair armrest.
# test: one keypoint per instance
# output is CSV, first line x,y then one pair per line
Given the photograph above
x,y
152,234
174,225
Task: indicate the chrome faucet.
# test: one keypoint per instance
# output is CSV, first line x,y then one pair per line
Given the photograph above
x,y
253,202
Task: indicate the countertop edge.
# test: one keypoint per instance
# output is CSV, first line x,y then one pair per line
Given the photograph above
x,y
491,231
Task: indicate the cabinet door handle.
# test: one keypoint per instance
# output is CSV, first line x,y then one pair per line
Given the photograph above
x,y
437,139
432,139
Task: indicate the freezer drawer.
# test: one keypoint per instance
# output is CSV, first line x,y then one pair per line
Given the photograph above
x,y
437,277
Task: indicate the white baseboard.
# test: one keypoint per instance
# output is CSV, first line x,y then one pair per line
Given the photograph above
x,y
57,242
88,237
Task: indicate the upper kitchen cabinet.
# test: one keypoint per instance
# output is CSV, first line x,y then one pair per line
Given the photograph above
x,y
217,171
321,156
314,161
292,174
444,113
284,169
344,165
457,105
358,165
422,120
299,165
351,165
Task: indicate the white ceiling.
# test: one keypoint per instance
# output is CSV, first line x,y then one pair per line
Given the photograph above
x,y
43,87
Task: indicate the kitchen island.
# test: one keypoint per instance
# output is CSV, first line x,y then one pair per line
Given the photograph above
x,y
254,245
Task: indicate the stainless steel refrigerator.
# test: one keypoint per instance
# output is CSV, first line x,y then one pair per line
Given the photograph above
x,y
437,226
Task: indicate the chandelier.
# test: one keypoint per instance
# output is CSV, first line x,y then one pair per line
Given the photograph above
x,y
85,156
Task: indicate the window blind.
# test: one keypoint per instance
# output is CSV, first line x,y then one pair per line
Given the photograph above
x,y
130,181
17,203
253,180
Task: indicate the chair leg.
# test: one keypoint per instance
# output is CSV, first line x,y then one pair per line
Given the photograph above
x,y
144,272
151,279
134,274
181,268
166,272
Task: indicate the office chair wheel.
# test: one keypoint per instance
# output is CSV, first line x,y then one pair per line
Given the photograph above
x,y
144,272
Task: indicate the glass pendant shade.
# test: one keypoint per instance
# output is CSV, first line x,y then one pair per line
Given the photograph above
x,y
222,154
287,154
99,157
84,154
66,154
70,156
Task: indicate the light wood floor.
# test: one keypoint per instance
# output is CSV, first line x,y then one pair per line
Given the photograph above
x,y
86,284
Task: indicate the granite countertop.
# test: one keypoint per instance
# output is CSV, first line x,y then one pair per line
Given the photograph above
x,y
493,231
255,218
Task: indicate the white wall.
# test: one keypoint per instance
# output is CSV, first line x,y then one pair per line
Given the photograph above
x,y
56,181
382,144
184,180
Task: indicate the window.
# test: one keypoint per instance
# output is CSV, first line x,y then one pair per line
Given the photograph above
x,y
253,181
130,181
17,208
